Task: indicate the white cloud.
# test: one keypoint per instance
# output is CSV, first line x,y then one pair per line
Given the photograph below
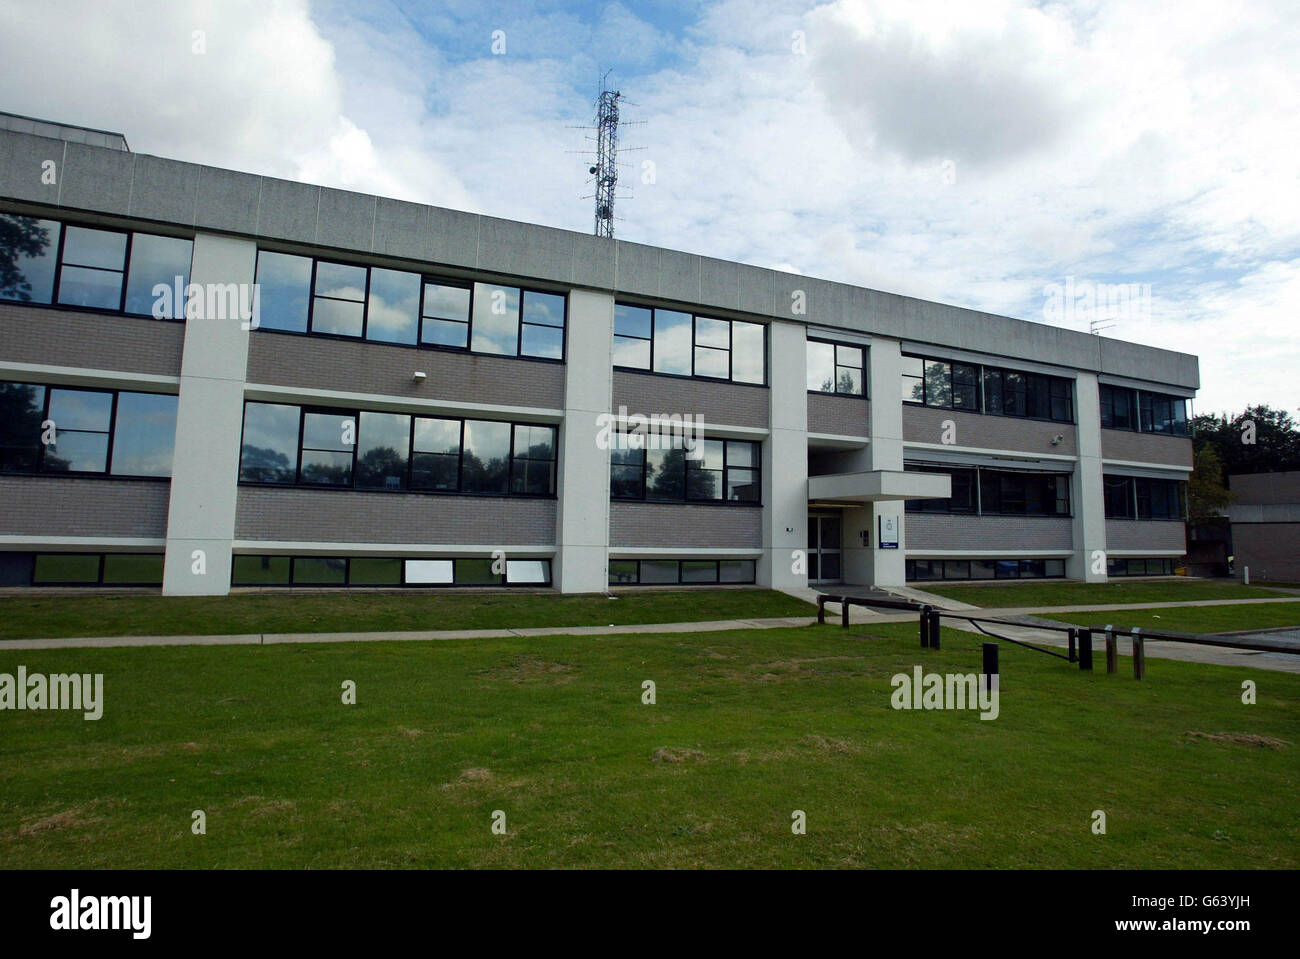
x,y
1110,141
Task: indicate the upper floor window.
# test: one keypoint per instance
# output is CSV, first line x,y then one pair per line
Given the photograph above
x,y
683,344
1128,409
47,262
1137,497
105,432
305,295
364,449
716,471
966,386
836,368
941,383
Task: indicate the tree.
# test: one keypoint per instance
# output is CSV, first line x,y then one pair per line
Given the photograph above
x,y
1206,494
1276,445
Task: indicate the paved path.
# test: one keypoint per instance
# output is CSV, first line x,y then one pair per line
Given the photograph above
x,y
268,639
1156,649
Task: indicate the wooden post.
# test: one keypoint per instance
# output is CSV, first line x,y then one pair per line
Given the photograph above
x,y
821,609
935,622
1074,636
1112,650
844,612
1139,654
925,627
1085,649
991,666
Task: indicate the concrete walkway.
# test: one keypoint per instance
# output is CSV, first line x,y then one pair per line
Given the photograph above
x,y
269,639
858,616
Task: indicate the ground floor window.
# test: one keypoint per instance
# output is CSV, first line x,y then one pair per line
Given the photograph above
x,y
362,571
943,569
684,572
1155,566
81,569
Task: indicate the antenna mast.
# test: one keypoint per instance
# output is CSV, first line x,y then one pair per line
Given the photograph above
x,y
606,168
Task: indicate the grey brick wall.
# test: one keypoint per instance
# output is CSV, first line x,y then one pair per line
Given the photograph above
x,y
361,367
844,415
921,424
1007,534
685,525
1146,448
131,344
1269,549
346,516
1145,534
1269,489
63,506
728,404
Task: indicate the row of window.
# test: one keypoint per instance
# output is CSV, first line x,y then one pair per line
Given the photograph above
x,y
985,389
81,569
1136,497
103,432
683,572
934,569
47,262
715,470
395,451
684,344
991,492
1142,412
302,294
386,571
836,368
1153,566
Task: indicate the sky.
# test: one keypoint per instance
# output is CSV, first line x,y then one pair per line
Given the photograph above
x,y
1130,164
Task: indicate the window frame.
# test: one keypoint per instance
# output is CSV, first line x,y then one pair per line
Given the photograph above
x,y
757,470
836,366
426,279
56,280
403,583
695,346
1055,388
715,583
112,431
354,413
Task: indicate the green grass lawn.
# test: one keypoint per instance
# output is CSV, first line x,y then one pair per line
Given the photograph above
x,y
54,615
1198,619
748,727
1080,594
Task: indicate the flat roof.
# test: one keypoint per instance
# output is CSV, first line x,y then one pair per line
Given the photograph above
x,y
107,184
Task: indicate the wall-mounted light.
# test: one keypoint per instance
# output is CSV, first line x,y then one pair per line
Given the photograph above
x,y
1058,439
418,376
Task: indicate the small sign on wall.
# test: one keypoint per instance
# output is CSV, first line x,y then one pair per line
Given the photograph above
x,y
888,535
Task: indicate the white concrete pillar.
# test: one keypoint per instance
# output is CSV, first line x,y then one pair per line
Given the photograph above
x,y
785,459
209,423
582,521
1087,495
866,562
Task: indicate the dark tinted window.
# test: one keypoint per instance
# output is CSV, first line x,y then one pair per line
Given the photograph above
x,y
284,283
144,435
270,448
28,252
158,261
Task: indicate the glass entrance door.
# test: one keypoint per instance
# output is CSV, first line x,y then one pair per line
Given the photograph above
x,y
824,548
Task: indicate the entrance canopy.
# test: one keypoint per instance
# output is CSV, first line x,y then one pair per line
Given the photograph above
x,y
874,486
